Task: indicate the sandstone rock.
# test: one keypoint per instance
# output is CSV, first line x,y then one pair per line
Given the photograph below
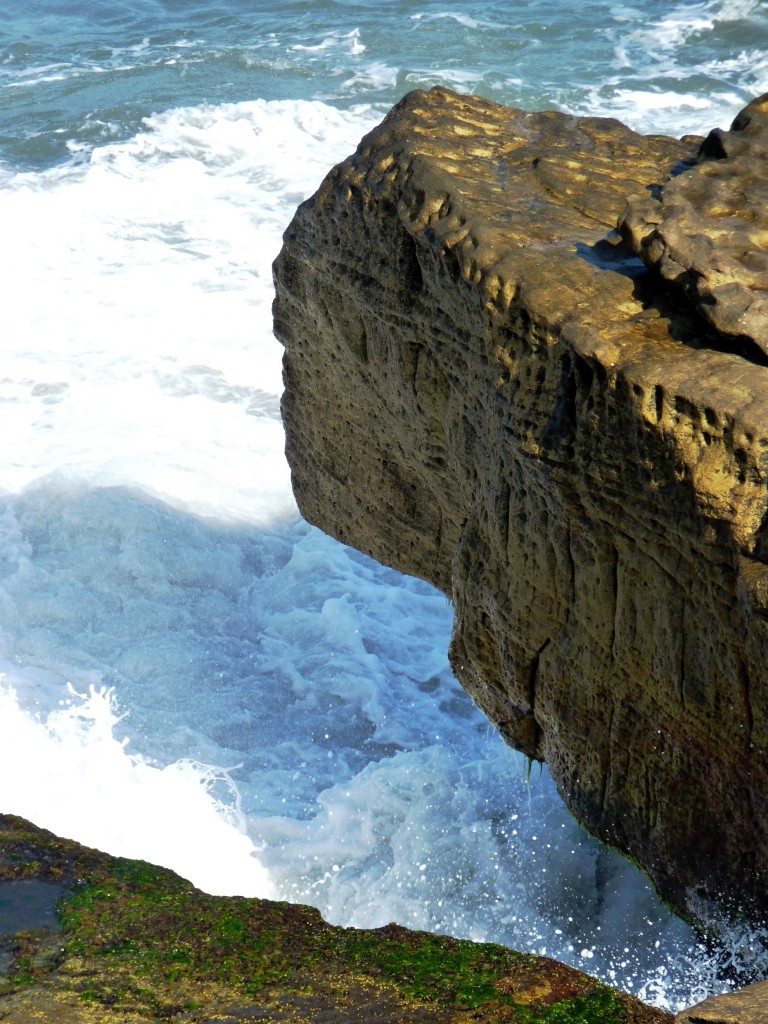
x,y
485,388
708,230
123,942
747,1006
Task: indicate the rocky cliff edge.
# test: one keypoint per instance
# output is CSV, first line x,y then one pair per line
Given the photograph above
x,y
488,387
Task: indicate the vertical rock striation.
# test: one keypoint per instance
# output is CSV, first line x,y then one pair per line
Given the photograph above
x,y
486,388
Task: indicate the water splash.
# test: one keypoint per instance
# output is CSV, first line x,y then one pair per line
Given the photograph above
x,y
77,779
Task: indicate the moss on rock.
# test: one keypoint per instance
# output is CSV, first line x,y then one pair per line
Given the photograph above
x,y
137,943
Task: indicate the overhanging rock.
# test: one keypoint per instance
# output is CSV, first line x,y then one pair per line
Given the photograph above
x,y
485,388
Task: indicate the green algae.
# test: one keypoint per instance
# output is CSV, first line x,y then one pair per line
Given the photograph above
x,y
430,967
137,942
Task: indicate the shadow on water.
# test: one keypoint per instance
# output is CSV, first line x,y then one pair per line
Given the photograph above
x,y
27,904
266,646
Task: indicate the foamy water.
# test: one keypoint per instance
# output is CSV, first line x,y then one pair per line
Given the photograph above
x,y
190,673
75,774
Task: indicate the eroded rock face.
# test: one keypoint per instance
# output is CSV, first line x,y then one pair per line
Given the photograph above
x,y
708,230
485,388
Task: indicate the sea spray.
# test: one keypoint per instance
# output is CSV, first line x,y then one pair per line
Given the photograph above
x,y
369,783
68,773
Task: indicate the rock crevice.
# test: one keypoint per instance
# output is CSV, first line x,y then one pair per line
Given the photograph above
x,y
706,231
485,386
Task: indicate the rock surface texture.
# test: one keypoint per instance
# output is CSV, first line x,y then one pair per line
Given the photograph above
x,y
747,1006
485,387
708,230
90,939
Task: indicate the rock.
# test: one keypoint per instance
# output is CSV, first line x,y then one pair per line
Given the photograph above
x,y
485,388
708,230
123,941
747,1006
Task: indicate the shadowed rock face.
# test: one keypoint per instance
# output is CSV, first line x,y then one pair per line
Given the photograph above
x,y
707,232
485,388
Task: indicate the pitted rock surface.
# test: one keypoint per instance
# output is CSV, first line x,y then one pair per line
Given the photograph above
x,y
485,388
708,230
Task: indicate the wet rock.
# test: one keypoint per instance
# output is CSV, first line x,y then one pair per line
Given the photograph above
x,y
747,1006
707,232
134,943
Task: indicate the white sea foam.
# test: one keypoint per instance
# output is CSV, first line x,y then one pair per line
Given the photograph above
x,y
461,19
167,242
735,10
672,76
751,66
661,111
35,72
682,22
376,75
463,81
68,773
671,32
348,40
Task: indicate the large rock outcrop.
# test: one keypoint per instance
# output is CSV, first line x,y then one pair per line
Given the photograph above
x,y
485,387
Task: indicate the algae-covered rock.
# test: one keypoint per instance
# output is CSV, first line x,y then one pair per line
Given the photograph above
x,y
104,939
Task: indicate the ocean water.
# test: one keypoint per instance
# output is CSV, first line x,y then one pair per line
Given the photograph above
x,y
189,672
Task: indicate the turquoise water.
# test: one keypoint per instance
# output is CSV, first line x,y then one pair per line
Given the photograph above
x,y
188,672
73,76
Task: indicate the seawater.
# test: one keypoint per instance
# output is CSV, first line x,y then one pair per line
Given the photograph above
x,y
191,673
